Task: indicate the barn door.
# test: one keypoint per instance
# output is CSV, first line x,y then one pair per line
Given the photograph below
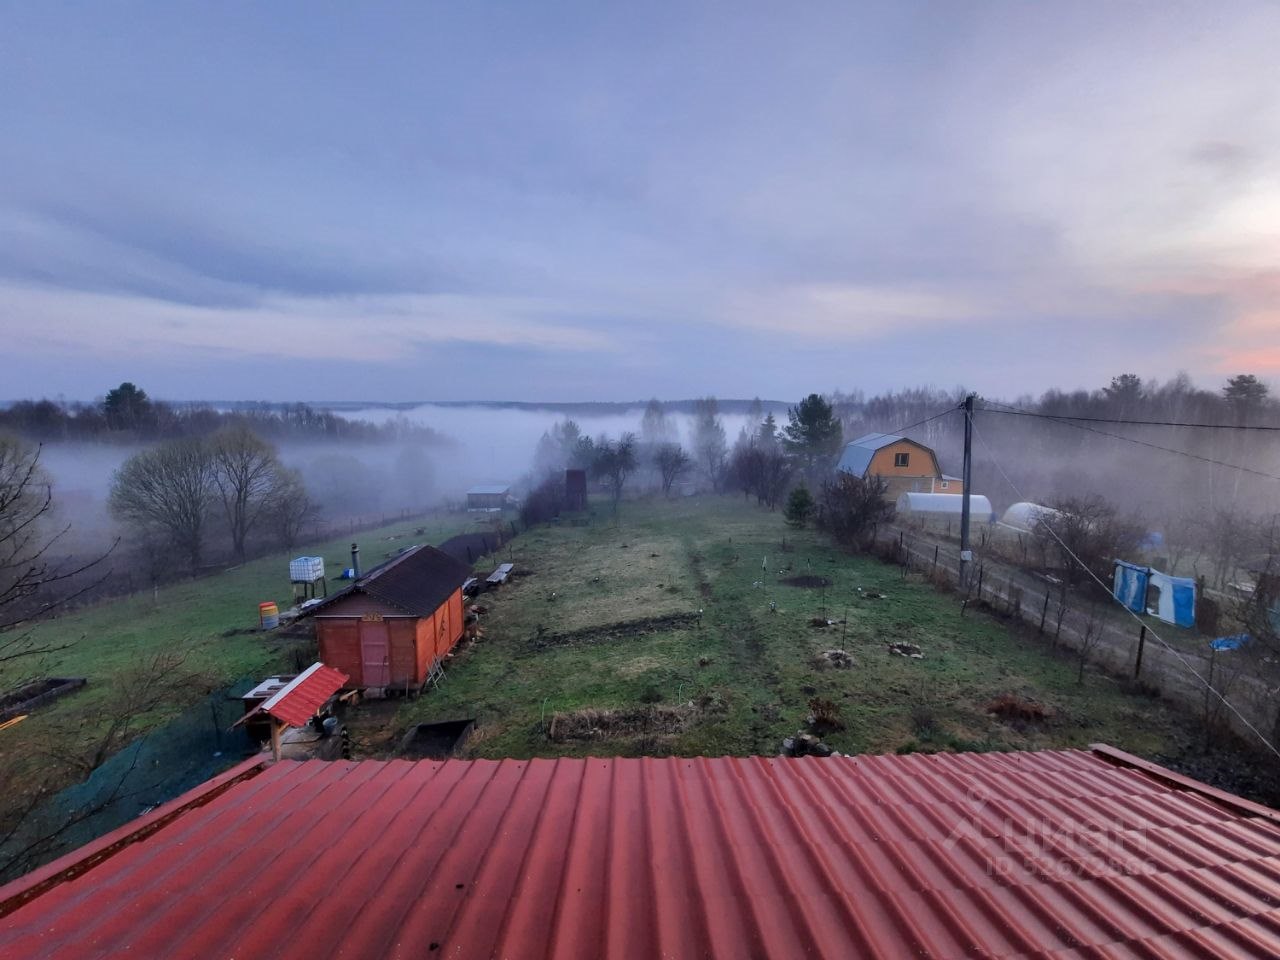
x,y
375,653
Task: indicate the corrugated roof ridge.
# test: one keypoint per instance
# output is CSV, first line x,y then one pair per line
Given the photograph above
x,y
141,867
31,885
1178,781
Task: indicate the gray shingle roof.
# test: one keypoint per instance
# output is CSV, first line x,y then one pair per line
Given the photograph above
x,y
858,453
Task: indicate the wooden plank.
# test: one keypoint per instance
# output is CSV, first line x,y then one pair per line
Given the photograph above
x,y
500,575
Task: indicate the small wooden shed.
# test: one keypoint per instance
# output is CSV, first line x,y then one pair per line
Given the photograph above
x,y
394,623
488,497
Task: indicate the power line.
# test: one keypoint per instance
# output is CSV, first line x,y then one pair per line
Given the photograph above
x,y
1066,422
1015,411
921,423
1043,521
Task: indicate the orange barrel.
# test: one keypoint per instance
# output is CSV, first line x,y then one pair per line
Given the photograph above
x,y
269,615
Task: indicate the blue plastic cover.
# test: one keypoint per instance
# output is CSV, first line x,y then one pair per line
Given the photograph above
x,y
1234,642
1130,586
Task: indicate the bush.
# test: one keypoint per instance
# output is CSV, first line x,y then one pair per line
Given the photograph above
x,y
799,506
544,502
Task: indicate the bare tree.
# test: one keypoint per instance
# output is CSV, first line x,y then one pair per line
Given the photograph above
x,y
162,680
655,427
290,508
68,754
1090,529
168,487
33,582
850,507
672,463
1224,538
709,441
776,471
245,475
614,462
1090,638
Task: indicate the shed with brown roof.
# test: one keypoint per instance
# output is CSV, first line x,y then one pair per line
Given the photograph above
x,y
391,626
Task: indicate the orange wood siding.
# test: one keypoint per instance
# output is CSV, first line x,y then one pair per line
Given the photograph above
x,y
449,623
339,641
424,645
404,659
414,641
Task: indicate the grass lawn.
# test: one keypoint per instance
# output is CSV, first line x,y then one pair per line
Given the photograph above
x,y
606,617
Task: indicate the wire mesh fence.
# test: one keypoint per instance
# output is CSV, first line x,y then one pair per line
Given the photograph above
x,y
153,769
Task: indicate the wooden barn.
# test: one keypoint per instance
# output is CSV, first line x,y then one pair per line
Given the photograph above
x,y
488,497
394,624
905,465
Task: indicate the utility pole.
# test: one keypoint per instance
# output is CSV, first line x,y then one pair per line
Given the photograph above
x,y
966,555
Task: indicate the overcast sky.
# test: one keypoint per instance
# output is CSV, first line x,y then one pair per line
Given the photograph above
x,y
608,201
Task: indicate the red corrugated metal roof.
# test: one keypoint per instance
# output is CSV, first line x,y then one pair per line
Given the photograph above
x,y
306,693
1057,853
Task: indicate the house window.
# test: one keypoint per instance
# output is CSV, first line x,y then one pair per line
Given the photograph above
x,y
944,484
900,459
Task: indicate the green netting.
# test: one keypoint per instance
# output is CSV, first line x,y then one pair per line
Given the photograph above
x,y
153,769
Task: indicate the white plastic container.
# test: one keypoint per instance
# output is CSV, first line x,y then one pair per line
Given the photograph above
x,y
306,569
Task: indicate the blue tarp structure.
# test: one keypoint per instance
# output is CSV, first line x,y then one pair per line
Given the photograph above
x,y
1175,602
1131,586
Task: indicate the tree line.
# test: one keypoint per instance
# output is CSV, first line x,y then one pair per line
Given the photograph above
x,y
127,414
771,462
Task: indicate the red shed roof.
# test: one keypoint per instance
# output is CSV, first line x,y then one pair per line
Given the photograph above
x,y
297,702
1062,853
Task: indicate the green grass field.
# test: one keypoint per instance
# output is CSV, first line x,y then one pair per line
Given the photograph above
x,y
605,617
664,630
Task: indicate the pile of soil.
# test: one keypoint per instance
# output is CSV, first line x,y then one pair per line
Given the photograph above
x,y
622,630
806,580
833,660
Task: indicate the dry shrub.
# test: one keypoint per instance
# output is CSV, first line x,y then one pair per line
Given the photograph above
x,y
824,715
594,724
1010,706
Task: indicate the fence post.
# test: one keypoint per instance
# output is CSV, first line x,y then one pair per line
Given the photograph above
x,y
1142,642
981,570
1044,612
934,572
